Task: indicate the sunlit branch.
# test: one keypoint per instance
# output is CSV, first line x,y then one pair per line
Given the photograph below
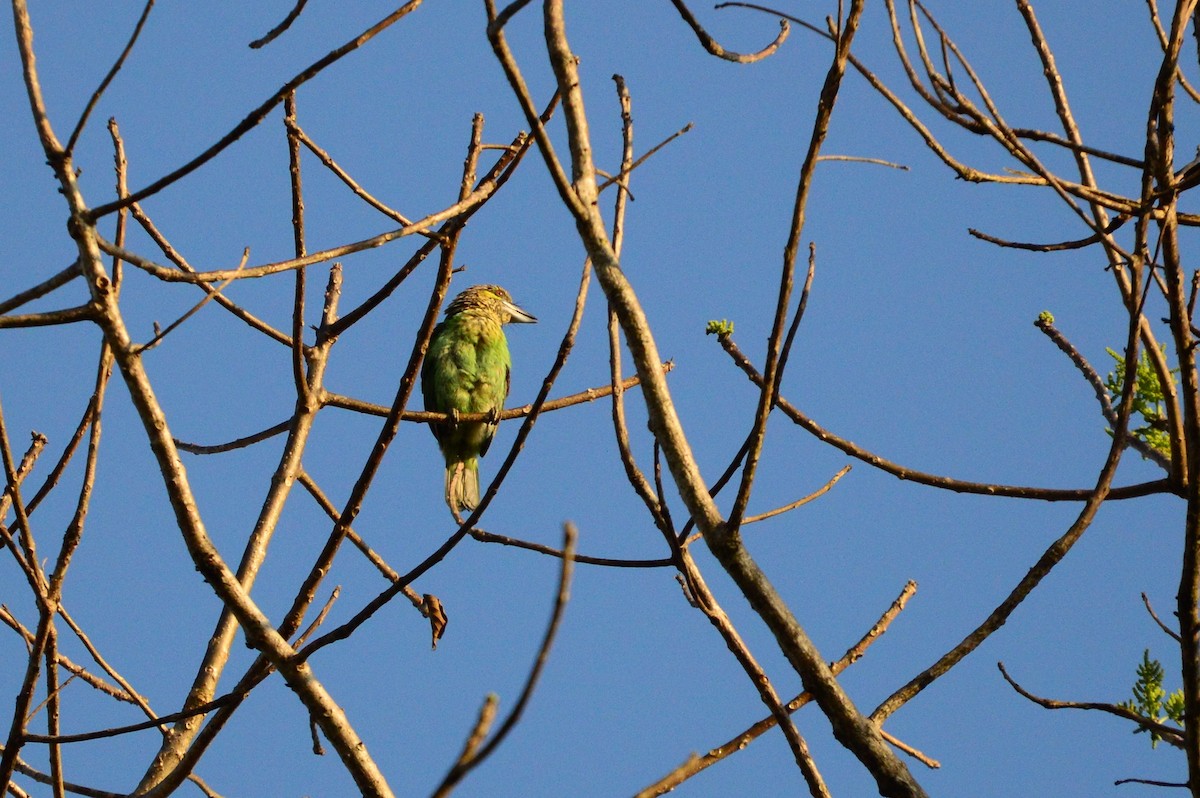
x,y
169,275
50,317
696,764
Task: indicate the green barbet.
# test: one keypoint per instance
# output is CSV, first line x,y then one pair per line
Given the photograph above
x,y
466,370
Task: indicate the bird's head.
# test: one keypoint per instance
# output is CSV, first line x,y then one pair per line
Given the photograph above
x,y
490,299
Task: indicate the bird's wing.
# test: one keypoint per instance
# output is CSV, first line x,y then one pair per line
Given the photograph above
x,y
491,428
429,382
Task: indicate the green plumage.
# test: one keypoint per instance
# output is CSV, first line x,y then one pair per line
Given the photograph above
x,y
466,370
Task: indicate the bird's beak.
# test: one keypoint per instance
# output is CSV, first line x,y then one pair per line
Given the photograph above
x,y
517,315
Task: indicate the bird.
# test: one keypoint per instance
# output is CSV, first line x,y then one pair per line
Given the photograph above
x,y
467,370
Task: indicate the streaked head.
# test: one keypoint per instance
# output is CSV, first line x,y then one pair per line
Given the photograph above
x,y
490,299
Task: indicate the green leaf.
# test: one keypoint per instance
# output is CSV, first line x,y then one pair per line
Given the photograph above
x,y
719,328
1150,700
1149,400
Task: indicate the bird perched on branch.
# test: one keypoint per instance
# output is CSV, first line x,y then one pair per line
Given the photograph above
x,y
466,370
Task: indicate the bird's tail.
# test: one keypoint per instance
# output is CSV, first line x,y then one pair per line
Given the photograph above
x,y
462,484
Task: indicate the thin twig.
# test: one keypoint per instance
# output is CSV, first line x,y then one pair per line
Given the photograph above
x,y
211,295
50,317
1172,735
1170,632
41,289
714,47
584,559
472,758
239,443
696,764
821,491
108,78
116,731
283,25
936,480
1101,390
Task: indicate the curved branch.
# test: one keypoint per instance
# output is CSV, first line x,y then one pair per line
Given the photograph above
x,y
714,47
819,492
1169,631
239,443
468,203
935,480
116,731
1060,246
279,29
1171,735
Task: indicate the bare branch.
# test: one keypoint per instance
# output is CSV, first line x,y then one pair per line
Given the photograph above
x,y
821,491
489,537
1049,559
714,47
50,317
473,753
696,764
112,73
1170,632
935,480
1170,734
1089,373
41,289
283,25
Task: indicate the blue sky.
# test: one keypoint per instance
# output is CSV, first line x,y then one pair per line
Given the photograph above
x,y
918,344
